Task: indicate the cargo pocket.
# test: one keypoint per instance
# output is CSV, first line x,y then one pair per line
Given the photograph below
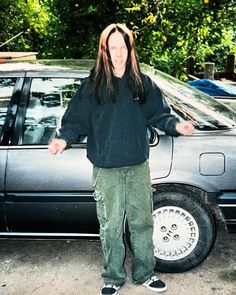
x,y
100,207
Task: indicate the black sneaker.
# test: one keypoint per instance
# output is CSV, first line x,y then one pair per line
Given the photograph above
x,y
155,284
109,290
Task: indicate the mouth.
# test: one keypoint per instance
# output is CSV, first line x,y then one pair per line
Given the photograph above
x,y
119,62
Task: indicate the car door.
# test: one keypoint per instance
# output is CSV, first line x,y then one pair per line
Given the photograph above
x,y
7,95
46,193
2,174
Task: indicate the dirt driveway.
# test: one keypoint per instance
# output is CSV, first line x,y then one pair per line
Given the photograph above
x,y
74,267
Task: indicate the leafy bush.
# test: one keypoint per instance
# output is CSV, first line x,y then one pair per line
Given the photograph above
x,y
167,32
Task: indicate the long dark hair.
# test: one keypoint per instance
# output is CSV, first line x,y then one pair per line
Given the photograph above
x,y
103,79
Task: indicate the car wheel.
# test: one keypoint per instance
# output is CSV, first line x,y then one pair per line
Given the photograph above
x,y
184,230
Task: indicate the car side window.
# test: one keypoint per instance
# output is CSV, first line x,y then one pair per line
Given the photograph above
x,y
48,101
6,90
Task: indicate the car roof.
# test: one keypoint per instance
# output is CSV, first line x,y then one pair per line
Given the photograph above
x,y
57,68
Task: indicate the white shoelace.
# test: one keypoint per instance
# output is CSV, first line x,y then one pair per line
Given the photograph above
x,y
152,279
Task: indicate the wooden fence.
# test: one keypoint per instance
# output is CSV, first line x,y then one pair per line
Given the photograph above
x,y
209,71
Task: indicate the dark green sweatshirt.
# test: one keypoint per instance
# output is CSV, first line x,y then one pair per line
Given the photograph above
x,y
117,132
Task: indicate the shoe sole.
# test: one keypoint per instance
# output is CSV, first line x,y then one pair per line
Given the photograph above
x,y
158,290
108,294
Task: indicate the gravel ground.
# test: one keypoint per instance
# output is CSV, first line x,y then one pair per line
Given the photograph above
x,y
73,268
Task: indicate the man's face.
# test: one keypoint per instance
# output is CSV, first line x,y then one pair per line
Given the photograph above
x,y
118,52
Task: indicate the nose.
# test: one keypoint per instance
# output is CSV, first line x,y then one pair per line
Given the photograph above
x,y
119,52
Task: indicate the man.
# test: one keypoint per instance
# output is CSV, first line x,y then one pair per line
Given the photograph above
x,y
114,107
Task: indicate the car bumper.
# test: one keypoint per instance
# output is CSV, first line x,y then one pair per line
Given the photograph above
x,y
227,204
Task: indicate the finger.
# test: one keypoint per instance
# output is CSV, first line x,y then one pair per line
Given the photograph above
x,y
53,148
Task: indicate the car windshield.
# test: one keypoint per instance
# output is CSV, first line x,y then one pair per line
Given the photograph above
x,y
190,104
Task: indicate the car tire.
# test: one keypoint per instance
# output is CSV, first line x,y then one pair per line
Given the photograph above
x,y
184,230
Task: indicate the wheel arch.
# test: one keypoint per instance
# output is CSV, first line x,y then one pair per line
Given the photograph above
x,y
209,199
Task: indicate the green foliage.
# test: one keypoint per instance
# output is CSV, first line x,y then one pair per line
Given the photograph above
x,y
27,17
76,27
167,32
179,29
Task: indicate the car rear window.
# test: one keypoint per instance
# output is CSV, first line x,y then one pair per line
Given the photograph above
x,y
188,103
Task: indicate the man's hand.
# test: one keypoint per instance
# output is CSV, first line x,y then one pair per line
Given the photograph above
x,y
185,128
57,146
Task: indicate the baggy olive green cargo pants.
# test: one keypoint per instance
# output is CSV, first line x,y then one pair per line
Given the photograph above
x,y
125,193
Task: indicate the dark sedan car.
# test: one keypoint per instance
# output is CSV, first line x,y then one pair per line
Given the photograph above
x,y
193,178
